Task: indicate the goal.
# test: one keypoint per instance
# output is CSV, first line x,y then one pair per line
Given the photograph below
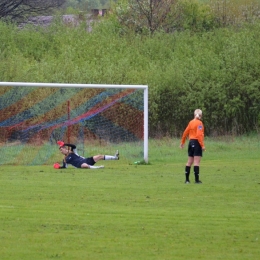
x,y
98,119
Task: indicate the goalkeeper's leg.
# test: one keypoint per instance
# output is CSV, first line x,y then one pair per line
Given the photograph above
x,y
92,160
96,167
87,166
106,157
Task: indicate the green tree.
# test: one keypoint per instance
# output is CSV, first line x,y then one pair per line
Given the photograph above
x,y
144,16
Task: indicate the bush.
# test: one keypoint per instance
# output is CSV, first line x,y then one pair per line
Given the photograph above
x,y
216,71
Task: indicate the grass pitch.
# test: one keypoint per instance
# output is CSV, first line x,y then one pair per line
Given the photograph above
x,y
128,211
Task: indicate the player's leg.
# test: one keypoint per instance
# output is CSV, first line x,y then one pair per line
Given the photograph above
x,y
89,164
197,158
189,162
197,169
99,157
187,169
85,165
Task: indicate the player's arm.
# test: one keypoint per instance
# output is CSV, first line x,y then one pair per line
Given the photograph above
x,y
184,136
72,146
58,166
64,165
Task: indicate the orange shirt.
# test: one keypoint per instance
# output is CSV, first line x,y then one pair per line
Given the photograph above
x,y
194,130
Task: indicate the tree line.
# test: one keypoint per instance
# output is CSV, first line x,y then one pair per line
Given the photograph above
x,y
217,70
145,16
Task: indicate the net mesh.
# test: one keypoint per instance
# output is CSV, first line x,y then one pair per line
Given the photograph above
x,y
97,120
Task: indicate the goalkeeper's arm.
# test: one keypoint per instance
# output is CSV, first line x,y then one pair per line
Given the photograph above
x,y
64,165
61,144
72,146
57,165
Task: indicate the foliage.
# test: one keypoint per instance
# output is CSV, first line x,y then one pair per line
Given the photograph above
x,y
189,15
235,12
143,16
216,71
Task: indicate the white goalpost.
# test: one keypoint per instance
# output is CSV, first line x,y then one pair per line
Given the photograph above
x,y
34,116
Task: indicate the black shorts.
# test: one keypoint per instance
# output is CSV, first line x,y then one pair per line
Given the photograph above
x,y
194,148
90,161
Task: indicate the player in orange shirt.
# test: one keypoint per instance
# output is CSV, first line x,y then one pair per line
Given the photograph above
x,y
195,132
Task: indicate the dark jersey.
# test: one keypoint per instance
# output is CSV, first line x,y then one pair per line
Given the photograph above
x,y
75,160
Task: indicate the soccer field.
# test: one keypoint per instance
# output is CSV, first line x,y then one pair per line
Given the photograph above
x,y
128,211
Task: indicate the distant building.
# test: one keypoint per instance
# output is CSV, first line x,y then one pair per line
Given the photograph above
x,y
100,12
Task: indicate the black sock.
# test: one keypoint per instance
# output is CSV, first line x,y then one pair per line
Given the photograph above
x,y
187,173
196,173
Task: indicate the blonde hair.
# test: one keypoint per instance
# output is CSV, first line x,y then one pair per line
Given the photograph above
x,y
198,113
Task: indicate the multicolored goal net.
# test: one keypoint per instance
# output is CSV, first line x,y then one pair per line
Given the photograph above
x,y
97,120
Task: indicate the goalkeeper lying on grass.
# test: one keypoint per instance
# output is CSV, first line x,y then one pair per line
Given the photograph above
x,y
71,157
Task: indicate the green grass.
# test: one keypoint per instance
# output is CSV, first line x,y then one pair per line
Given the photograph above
x,y
136,212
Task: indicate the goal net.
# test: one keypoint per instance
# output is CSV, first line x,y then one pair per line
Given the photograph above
x,y
98,119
